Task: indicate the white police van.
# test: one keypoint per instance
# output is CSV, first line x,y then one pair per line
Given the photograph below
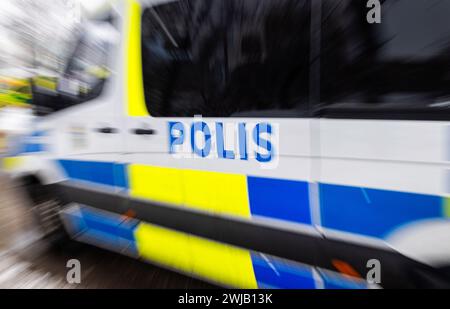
x,y
273,144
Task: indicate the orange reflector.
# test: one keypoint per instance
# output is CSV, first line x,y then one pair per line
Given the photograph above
x,y
345,268
129,214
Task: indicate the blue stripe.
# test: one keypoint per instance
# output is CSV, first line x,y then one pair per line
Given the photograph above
x,y
39,133
373,212
77,223
364,211
105,173
32,148
111,230
336,281
279,199
120,174
112,242
111,224
281,274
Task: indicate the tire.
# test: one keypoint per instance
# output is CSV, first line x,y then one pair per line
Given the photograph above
x,y
45,211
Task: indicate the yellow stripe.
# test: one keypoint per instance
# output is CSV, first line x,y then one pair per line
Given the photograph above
x,y
210,191
195,255
159,184
217,192
446,201
12,163
163,246
134,84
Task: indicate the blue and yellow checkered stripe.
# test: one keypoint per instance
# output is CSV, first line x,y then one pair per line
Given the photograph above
x,y
357,210
223,264
228,194
364,211
218,193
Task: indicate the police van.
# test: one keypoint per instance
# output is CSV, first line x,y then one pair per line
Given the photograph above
x,y
254,144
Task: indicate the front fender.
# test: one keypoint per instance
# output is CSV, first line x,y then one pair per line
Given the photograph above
x,y
46,170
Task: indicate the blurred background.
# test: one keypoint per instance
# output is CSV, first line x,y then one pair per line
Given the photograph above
x,y
37,38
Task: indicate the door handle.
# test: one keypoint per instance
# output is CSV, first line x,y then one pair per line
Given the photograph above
x,y
107,130
144,131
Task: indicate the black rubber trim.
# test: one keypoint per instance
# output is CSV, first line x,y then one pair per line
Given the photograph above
x,y
397,270
143,132
374,113
107,130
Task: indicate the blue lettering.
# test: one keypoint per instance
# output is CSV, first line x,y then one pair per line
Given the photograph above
x,y
264,152
243,142
222,152
177,139
202,127
259,129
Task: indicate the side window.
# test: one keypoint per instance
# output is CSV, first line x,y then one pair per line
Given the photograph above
x,y
85,74
225,58
401,64
87,70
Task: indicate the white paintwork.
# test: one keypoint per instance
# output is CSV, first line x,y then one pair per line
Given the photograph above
x,y
409,156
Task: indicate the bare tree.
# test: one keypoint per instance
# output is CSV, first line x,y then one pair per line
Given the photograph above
x,y
40,29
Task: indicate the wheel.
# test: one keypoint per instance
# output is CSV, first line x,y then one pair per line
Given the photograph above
x,y
45,211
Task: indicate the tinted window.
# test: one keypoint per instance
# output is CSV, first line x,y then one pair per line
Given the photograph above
x,y
88,69
85,74
226,58
403,62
